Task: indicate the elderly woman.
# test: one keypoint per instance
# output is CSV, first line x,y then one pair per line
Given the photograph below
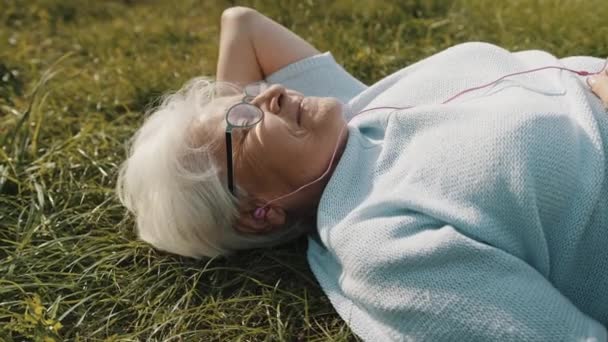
x,y
446,202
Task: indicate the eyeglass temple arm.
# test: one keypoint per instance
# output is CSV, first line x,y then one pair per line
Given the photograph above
x,y
229,162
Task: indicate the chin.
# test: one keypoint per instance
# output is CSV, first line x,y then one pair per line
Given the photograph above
x,y
334,118
334,108
321,113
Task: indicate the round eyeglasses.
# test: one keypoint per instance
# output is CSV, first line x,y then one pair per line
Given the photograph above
x,y
242,115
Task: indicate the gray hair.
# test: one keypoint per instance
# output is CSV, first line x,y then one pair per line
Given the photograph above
x,y
174,187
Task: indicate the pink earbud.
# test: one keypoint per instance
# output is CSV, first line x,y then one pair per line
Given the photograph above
x,y
259,213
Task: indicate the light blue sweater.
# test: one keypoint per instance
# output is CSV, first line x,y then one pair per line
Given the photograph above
x,y
484,219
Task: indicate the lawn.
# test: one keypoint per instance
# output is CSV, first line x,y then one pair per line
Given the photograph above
x,y
76,78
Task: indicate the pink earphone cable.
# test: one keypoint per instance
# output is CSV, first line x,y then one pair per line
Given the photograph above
x,y
261,211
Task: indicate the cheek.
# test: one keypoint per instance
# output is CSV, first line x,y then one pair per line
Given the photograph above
x,y
332,114
304,153
276,144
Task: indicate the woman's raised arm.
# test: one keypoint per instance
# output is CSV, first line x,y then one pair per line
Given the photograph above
x,y
253,46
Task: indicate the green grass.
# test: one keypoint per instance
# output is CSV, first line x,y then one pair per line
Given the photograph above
x,y
75,78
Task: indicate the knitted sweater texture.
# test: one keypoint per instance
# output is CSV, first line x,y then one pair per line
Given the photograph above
x,y
482,219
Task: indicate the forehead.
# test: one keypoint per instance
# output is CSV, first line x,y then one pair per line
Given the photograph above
x,y
210,125
216,109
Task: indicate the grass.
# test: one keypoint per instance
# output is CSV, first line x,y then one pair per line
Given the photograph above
x,y
75,78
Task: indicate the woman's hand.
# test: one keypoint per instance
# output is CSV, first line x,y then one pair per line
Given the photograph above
x,y
253,46
599,85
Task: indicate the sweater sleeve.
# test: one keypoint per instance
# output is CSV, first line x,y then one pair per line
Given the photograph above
x,y
318,75
440,285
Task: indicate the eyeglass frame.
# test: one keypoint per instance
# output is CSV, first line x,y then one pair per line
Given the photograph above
x,y
246,100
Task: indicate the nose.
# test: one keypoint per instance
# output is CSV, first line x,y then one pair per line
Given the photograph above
x,y
269,99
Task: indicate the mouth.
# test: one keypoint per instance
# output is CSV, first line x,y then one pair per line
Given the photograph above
x,y
299,113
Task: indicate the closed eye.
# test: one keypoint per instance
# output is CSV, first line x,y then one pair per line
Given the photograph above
x,y
238,136
242,133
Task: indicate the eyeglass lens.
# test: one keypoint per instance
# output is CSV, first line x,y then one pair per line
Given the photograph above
x,y
243,115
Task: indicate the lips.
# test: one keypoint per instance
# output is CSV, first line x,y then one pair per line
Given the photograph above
x,y
299,113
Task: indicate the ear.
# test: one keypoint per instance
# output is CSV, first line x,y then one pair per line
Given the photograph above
x,y
273,219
